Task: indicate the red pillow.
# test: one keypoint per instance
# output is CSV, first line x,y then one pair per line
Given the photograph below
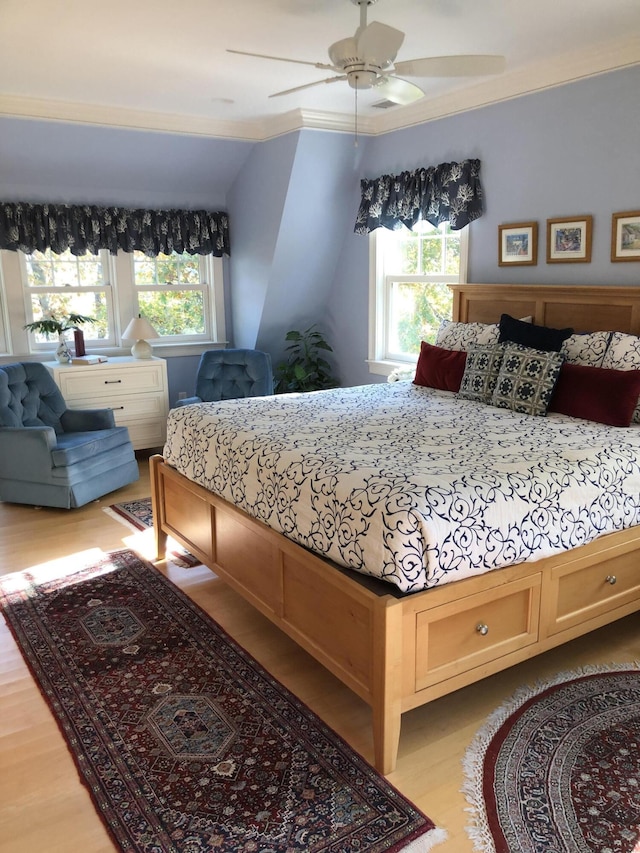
x,y
596,394
440,368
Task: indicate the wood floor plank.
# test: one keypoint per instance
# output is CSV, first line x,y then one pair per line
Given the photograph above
x,y
43,805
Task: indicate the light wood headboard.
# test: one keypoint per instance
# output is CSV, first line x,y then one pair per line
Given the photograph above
x,y
583,307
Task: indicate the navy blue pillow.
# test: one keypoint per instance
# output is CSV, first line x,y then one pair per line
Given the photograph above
x,y
535,337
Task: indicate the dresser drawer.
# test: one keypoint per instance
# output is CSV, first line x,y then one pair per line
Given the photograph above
x,y
586,592
461,635
106,381
130,408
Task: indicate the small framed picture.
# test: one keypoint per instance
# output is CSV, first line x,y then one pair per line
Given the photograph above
x,y
625,236
518,244
569,240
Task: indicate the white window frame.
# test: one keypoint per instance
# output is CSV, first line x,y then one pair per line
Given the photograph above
x,y
107,274
207,272
16,312
5,326
380,281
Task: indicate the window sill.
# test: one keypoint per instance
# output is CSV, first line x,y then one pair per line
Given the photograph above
x,y
384,368
159,350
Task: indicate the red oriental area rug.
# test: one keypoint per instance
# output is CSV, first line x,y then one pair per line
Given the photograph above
x,y
184,741
557,768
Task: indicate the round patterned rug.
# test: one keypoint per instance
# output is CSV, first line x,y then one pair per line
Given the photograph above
x,y
556,769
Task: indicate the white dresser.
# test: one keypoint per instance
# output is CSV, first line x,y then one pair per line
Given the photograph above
x,y
135,388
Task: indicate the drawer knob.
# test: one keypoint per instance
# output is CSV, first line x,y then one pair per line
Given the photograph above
x,y
482,629
612,579
112,381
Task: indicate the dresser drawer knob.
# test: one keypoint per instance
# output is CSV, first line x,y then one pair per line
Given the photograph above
x,y
112,381
611,579
482,629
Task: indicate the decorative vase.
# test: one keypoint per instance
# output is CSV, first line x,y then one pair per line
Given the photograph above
x,y
63,353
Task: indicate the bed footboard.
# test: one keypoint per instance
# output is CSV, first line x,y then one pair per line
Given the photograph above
x,y
398,653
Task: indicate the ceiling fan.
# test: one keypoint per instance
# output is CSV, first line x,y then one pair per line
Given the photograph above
x,y
366,61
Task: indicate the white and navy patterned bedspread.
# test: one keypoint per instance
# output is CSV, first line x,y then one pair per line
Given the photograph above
x,y
411,485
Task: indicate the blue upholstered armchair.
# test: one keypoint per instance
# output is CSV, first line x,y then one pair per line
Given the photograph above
x,y
51,455
226,374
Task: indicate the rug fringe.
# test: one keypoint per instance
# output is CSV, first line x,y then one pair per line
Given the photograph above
x,y
426,842
117,516
473,760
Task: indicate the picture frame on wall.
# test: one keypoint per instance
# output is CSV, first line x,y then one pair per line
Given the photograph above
x,y
569,240
625,236
518,244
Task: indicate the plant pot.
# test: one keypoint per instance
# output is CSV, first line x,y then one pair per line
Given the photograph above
x,y
63,353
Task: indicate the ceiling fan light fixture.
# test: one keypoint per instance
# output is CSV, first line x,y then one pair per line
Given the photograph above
x,y
362,79
398,90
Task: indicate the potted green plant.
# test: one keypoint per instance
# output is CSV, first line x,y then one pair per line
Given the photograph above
x,y
53,325
305,368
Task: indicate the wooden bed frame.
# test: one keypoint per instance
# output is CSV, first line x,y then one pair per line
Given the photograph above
x,y
398,652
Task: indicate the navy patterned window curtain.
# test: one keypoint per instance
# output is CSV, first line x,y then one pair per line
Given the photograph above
x,y
450,192
84,228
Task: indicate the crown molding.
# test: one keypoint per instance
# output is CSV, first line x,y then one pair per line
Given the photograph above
x,y
109,116
569,68
612,56
308,119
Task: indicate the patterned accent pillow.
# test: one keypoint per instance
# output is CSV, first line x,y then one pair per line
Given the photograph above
x,y
624,354
526,379
588,349
481,373
462,336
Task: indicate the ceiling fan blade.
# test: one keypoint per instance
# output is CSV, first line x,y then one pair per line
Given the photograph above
x,y
324,65
308,86
398,90
344,51
452,66
378,44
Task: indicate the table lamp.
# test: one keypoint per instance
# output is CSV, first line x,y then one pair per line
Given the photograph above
x,y
138,329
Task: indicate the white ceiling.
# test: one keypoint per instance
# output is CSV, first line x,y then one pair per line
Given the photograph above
x,y
163,63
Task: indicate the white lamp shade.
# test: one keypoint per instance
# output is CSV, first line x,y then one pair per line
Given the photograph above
x,y
138,329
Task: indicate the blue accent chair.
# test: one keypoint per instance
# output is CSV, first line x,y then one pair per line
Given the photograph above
x,y
226,374
51,455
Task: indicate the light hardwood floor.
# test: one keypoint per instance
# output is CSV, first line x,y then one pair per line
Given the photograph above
x,y
43,806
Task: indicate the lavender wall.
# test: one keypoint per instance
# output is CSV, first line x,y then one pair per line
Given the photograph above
x,y
562,152
290,221
75,163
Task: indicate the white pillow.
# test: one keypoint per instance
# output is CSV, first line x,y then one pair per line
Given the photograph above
x,y
588,349
462,336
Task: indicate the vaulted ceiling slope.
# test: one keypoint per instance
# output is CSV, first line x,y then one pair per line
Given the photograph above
x,y
163,65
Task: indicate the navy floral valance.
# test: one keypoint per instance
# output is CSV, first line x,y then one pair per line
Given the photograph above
x,y
86,228
450,192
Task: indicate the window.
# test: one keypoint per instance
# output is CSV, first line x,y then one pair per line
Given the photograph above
x,y
4,319
409,276
171,292
181,295
57,285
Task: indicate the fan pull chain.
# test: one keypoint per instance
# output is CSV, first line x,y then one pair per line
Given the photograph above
x,y
355,140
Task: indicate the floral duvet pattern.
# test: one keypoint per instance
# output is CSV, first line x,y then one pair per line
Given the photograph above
x,y
411,485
